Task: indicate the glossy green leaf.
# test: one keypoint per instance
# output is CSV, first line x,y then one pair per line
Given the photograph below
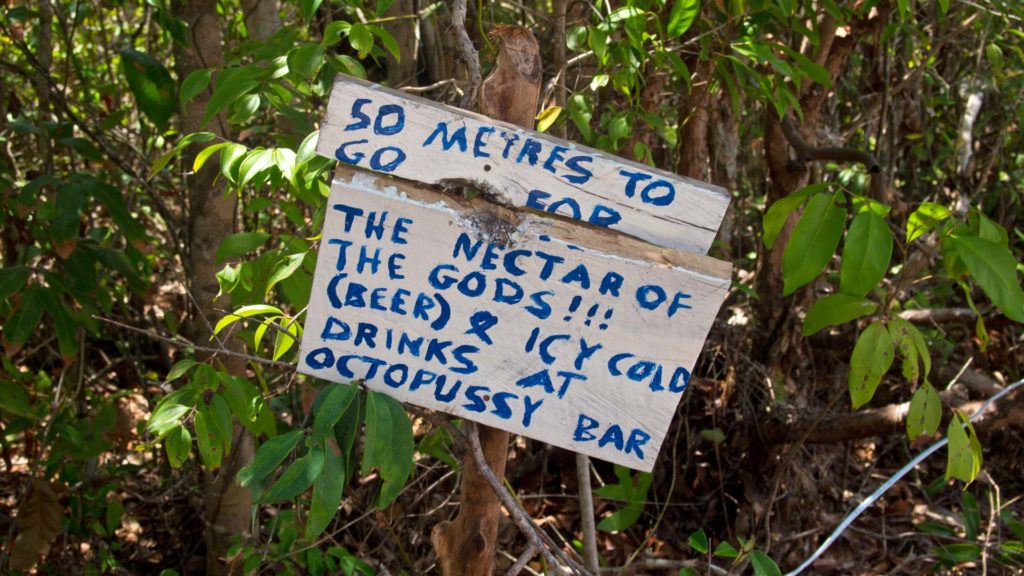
x,y
245,312
327,491
925,413
776,216
387,41
361,39
180,368
699,541
814,240
286,337
239,244
683,13
177,444
285,269
925,218
836,309
763,565
166,418
152,86
335,403
194,84
231,85
306,60
268,457
389,444
994,268
866,254
872,356
205,154
297,478
725,550
308,9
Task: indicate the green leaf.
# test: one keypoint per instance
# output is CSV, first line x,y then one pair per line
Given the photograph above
x,y
238,244
205,154
231,85
836,309
336,402
776,216
308,9
285,338
866,254
699,541
211,444
177,444
971,516
389,445
268,457
964,456
632,491
327,491
910,342
194,84
927,216
994,268
361,39
388,41
285,269
180,369
245,312
925,413
547,117
297,478
306,60
166,418
814,240
151,84
725,550
683,13
958,553
67,212
12,280
872,356
14,399
21,324
763,565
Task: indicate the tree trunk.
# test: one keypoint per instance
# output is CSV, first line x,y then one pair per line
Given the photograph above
x,y
402,72
211,218
466,545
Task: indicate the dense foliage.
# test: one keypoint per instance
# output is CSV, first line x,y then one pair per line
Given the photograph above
x,y
874,153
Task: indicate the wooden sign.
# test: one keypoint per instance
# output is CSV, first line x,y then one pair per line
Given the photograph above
x,y
373,127
568,334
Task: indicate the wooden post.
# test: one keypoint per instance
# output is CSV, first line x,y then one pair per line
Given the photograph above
x,y
466,545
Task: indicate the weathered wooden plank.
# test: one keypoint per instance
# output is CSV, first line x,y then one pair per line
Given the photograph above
x,y
374,127
572,335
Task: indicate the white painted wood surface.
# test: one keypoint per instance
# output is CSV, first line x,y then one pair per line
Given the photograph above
x,y
377,128
613,323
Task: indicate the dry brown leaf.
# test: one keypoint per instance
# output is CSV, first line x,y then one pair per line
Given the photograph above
x,y
39,517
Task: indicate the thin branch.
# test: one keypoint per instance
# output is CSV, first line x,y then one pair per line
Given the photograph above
x,y
467,53
179,341
535,535
807,152
587,523
525,557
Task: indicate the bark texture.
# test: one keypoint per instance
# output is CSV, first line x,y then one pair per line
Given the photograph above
x,y
211,217
466,545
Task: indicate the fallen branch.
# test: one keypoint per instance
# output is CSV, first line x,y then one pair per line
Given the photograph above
x,y
885,421
939,316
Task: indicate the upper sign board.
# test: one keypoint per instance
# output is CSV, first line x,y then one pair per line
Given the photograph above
x,y
380,129
568,334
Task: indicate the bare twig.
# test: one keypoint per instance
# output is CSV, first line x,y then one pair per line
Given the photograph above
x,y
807,152
587,513
179,341
525,557
467,53
534,535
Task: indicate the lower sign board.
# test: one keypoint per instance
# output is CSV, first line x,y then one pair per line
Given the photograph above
x,y
505,318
